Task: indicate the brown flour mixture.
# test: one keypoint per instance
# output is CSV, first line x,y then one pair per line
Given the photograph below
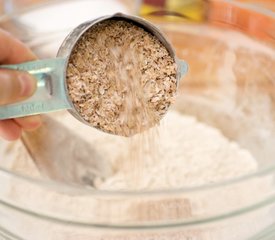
x,y
120,78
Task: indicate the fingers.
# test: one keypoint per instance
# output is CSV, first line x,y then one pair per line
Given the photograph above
x,y
9,130
12,51
29,123
15,86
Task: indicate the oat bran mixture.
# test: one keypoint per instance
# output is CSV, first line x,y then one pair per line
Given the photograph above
x,y
120,78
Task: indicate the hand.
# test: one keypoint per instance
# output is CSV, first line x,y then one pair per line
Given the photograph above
x,y
15,86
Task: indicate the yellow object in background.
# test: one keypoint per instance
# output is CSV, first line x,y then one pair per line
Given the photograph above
x,y
173,10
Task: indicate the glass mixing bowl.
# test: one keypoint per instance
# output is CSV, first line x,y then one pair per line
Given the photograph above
x,y
230,85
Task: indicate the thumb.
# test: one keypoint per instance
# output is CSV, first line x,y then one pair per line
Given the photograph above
x,y
15,86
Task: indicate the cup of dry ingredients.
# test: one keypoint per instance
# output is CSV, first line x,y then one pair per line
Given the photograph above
x,y
116,73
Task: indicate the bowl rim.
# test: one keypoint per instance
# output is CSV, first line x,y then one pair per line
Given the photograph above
x,y
182,223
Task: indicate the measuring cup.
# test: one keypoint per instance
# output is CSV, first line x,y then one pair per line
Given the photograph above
x,y
52,93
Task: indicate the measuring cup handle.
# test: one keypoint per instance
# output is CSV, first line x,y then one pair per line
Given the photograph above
x,y
182,68
50,94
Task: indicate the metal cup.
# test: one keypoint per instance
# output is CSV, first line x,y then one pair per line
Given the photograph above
x,y
52,92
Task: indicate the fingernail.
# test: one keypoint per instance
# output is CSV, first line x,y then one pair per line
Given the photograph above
x,y
27,83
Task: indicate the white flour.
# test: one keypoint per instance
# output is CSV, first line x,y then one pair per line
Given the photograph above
x,y
188,153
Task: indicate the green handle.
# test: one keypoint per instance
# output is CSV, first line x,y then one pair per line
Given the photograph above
x,y
50,95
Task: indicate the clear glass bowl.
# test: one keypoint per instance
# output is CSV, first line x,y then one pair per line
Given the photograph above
x,y
230,86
